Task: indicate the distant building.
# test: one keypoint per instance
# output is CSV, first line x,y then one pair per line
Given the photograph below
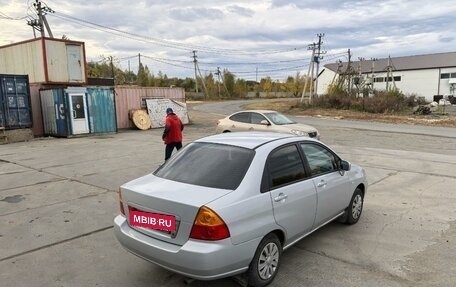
x,y
421,75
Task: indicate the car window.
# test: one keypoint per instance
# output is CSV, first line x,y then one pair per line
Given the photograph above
x,y
279,119
285,166
208,164
241,117
256,118
320,159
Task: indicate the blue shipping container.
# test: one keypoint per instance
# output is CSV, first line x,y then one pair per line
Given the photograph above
x,y
55,113
15,108
102,111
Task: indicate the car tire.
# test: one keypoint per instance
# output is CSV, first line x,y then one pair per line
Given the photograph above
x,y
354,210
265,264
226,131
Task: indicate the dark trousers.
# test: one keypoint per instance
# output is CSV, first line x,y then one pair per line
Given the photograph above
x,y
170,147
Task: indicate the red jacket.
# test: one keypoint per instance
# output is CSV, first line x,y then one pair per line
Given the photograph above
x,y
173,129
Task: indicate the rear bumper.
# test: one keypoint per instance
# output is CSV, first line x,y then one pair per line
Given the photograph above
x,y
196,259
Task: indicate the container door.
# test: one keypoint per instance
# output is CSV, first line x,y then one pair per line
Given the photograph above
x,y
15,108
74,63
78,108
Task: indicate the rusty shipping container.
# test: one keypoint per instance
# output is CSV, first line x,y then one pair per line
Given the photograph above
x,y
46,61
132,97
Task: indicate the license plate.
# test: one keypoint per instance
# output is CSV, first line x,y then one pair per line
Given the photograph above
x,y
152,220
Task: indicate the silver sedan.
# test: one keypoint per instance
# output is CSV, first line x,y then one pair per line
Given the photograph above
x,y
264,121
231,203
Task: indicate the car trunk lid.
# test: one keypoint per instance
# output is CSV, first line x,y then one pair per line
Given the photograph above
x,y
152,194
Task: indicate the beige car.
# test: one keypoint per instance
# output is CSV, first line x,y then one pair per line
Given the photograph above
x,y
264,121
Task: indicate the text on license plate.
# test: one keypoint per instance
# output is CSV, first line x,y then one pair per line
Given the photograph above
x,y
152,220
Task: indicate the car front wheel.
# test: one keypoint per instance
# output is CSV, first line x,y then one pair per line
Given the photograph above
x,y
265,264
355,208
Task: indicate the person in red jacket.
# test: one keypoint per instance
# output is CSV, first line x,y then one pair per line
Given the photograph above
x,y
172,135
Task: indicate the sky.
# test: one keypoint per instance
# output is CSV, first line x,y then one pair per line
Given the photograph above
x,y
250,38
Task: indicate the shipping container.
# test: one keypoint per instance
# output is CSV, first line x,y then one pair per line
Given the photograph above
x,y
46,61
102,111
65,111
78,110
15,107
133,98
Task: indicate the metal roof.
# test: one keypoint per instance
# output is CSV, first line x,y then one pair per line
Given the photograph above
x,y
416,62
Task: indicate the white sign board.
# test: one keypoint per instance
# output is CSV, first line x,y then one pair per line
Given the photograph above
x,y
157,111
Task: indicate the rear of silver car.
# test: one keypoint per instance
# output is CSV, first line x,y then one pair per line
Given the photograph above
x,y
177,250
215,259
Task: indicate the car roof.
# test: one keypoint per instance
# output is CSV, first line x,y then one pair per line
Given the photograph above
x,y
258,111
250,140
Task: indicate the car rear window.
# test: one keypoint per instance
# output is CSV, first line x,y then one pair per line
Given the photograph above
x,y
208,164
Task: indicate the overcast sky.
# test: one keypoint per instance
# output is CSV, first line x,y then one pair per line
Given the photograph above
x,y
251,38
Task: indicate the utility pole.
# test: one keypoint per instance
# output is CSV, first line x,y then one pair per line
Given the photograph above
x,y
129,73
41,22
112,69
195,63
349,70
37,5
224,85
312,72
218,80
317,59
310,47
372,72
389,74
202,82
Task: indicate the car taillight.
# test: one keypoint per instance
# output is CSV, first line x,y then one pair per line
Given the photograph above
x,y
209,226
122,210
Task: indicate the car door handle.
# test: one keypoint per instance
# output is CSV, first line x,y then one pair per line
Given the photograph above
x,y
280,197
321,184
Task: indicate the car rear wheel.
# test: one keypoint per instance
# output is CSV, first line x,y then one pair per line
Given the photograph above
x,y
226,131
265,264
355,208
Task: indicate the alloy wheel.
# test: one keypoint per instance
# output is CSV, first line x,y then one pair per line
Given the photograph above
x,y
268,261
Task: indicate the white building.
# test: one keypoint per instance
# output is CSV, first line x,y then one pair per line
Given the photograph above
x,y
421,75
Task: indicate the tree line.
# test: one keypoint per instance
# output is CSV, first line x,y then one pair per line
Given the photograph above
x,y
230,87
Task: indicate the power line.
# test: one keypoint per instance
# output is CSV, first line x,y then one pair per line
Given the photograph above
x,y
170,44
6,17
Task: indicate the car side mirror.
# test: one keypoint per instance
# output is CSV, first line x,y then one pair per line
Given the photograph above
x,y
265,123
345,165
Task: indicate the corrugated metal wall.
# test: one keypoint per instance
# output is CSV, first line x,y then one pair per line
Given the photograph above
x,y
55,116
102,113
128,98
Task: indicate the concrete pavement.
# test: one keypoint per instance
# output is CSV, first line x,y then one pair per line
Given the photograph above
x,y
58,198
